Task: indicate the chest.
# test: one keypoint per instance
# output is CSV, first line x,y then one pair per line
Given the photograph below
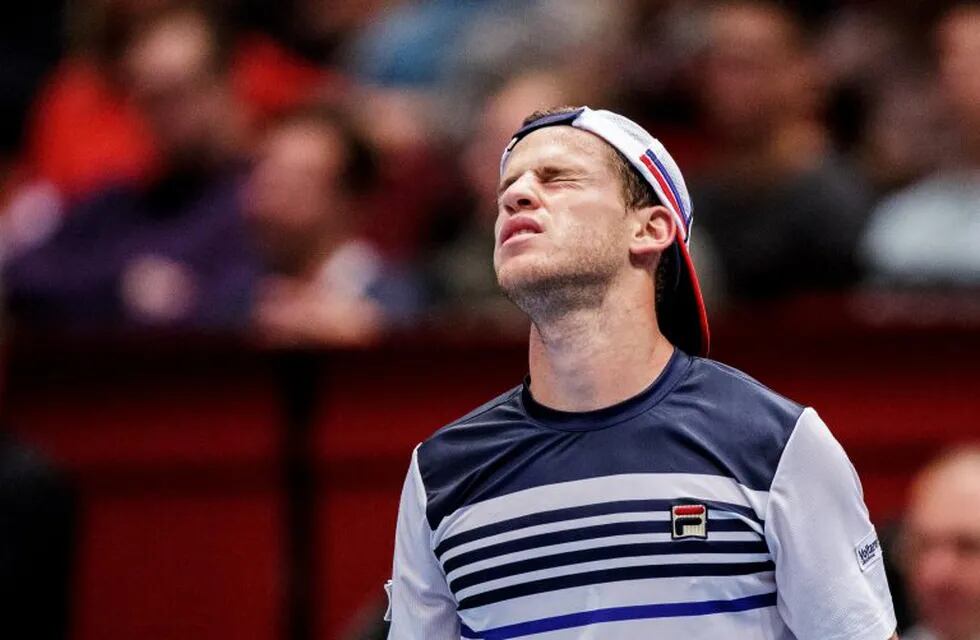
x,y
638,544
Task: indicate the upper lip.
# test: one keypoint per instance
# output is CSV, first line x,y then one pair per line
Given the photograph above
x,y
518,223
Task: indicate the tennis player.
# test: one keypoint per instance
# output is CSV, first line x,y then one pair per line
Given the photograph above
x,y
630,487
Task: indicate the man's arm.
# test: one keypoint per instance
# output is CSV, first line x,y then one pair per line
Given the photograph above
x,y
830,578
421,605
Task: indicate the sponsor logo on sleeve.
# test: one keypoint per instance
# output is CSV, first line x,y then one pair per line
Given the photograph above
x,y
689,521
868,551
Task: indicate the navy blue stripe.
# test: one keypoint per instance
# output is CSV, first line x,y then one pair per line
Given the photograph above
x,y
586,511
617,614
547,121
619,574
606,553
670,182
583,533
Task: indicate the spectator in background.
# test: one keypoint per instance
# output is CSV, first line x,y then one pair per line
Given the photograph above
x,y
659,76
880,108
781,210
415,173
904,139
929,233
321,31
85,133
579,40
426,67
941,550
306,198
82,134
173,251
412,43
462,275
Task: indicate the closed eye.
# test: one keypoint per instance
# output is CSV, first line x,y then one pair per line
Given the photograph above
x,y
545,175
554,174
562,182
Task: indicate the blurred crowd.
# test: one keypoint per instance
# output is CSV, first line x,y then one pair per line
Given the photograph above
x,y
939,547
325,172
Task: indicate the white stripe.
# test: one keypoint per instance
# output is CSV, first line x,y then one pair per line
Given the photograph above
x,y
622,594
613,563
552,527
634,486
634,538
612,518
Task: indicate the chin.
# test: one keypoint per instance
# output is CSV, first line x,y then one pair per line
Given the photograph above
x,y
519,273
544,291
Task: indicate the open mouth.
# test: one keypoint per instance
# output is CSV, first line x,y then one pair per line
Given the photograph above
x,y
522,232
517,228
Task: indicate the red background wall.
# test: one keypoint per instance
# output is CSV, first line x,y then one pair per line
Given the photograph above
x,y
177,452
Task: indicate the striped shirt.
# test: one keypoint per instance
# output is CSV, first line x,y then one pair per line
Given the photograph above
x,y
706,506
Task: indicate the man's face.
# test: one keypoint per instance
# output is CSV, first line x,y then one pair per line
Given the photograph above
x,y
751,70
297,176
959,44
943,550
295,188
561,223
171,77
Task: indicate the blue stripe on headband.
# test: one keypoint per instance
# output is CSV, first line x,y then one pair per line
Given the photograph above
x,y
673,187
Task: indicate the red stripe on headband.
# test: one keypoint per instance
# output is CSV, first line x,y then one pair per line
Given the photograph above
x,y
648,163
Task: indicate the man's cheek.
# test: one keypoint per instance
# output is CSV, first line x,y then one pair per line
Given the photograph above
x,y
496,227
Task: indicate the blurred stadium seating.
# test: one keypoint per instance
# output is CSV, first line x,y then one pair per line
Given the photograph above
x,y
229,338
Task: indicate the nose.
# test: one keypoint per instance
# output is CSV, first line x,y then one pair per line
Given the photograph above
x,y
520,195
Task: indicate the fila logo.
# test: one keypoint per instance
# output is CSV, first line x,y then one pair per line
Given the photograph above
x,y
689,521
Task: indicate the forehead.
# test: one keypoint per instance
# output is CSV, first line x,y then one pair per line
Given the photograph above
x,y
961,30
761,29
306,133
172,49
559,144
948,495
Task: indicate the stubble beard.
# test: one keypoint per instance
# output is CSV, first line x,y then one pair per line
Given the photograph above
x,y
550,289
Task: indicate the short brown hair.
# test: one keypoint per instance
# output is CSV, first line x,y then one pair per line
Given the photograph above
x,y
637,192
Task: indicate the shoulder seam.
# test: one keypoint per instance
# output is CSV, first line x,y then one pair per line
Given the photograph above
x,y
782,454
744,377
476,413
417,470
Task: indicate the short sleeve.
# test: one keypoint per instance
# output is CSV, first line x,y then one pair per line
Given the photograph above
x,y
421,606
830,578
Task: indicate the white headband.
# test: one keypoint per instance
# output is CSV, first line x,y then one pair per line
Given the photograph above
x,y
643,151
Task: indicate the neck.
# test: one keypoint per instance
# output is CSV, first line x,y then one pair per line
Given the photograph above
x,y
304,256
320,253
590,358
971,142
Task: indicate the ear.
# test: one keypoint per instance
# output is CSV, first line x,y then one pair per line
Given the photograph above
x,y
653,229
